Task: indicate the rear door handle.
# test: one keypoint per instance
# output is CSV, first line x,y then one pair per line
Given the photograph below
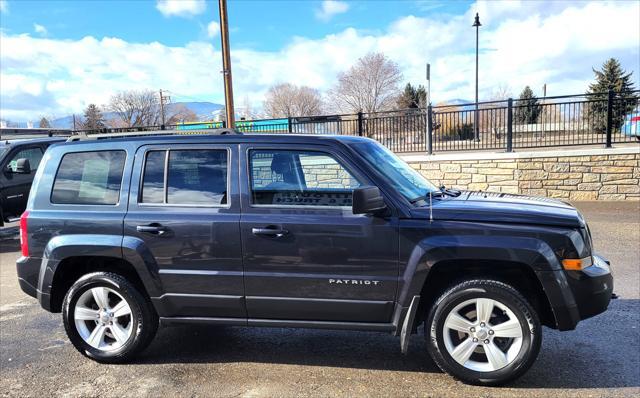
x,y
276,232
154,228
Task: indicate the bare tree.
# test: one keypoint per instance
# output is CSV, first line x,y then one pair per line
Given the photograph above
x,y
44,123
371,85
181,114
247,109
286,100
136,107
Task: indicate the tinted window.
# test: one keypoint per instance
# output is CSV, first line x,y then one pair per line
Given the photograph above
x,y
153,178
33,154
300,178
89,178
194,177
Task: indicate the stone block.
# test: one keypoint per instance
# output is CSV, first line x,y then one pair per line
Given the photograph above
x,y
478,186
611,169
614,177
449,167
496,178
629,189
611,196
478,178
628,181
583,195
589,186
608,189
557,167
527,165
530,185
590,177
553,193
532,174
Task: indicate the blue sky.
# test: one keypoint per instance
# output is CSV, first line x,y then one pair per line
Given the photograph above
x,y
56,57
265,25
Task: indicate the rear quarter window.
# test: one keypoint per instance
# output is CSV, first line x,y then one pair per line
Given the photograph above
x,y
89,178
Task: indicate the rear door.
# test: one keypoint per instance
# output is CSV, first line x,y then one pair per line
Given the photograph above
x,y
306,255
184,205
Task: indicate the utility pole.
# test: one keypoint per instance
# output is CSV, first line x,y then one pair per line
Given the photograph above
x,y
164,99
226,63
74,122
477,25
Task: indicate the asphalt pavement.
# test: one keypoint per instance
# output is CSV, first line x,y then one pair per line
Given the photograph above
x,y
600,358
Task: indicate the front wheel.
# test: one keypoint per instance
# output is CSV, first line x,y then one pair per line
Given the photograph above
x,y
107,318
483,332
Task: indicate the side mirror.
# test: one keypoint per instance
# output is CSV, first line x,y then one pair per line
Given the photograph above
x,y
367,200
23,166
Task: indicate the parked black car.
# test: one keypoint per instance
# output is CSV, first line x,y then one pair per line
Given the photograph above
x,y
19,160
299,231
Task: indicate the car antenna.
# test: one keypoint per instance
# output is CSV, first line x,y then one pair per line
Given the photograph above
x,y
430,206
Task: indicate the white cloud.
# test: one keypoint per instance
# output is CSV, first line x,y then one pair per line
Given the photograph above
x,y
39,29
558,47
4,6
181,8
329,8
213,29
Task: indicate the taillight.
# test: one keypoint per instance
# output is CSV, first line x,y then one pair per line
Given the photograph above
x,y
24,237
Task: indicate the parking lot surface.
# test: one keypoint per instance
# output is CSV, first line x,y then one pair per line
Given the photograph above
x,y
600,358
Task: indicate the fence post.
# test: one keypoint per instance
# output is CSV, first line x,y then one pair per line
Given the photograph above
x,y
289,126
430,130
360,123
609,117
510,125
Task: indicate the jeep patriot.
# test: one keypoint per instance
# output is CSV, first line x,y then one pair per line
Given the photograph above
x,y
122,234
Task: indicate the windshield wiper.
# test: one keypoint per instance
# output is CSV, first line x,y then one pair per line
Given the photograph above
x,y
425,197
451,192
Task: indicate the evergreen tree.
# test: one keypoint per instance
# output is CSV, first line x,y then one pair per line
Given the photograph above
x,y
412,97
527,107
44,123
610,77
93,119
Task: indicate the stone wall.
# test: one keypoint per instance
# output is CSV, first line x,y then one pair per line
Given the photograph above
x,y
587,174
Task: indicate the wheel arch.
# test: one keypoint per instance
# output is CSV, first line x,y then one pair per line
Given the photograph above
x,y
67,258
445,273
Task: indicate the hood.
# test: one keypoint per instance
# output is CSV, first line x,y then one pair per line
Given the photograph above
x,y
502,207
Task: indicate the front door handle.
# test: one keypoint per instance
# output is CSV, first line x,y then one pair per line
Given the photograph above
x,y
271,230
154,228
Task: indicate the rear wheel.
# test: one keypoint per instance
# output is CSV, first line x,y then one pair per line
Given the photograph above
x,y
483,332
107,318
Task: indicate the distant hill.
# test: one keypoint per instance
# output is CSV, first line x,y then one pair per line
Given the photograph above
x,y
204,111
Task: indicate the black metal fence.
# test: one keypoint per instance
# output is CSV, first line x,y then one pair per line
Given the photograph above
x,y
586,119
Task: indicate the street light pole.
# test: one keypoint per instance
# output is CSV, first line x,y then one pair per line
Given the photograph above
x,y
477,25
226,63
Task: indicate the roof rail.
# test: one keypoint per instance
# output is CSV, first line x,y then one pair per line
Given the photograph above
x,y
82,136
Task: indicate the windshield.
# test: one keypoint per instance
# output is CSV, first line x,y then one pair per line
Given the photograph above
x,y
400,175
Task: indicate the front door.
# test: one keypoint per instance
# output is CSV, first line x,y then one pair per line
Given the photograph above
x,y
306,255
184,205
16,186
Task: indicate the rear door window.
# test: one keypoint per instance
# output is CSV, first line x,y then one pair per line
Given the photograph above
x,y
186,177
89,178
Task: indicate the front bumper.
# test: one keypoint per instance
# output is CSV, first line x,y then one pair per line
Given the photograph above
x,y
578,295
592,287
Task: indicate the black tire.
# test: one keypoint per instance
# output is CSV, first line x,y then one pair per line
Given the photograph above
x,y
143,317
505,295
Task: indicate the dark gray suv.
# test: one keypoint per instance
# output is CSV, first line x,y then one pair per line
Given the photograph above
x,y
299,231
